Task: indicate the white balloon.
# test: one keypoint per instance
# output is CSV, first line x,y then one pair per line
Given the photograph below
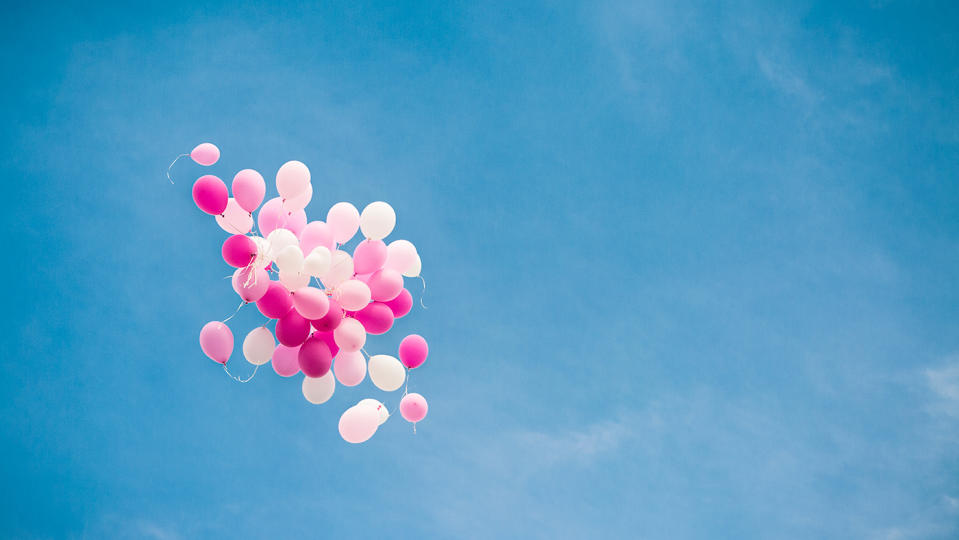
x,y
258,346
414,271
380,409
386,372
235,220
317,262
290,259
358,424
377,220
320,390
294,280
400,255
350,368
292,179
280,239
300,201
341,269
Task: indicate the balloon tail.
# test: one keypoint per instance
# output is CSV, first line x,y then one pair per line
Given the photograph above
x,y
234,313
238,379
170,178
423,294
414,428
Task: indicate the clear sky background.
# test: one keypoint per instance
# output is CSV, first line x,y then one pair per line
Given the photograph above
x,y
693,270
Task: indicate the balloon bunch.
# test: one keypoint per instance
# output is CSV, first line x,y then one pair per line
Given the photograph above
x,y
321,330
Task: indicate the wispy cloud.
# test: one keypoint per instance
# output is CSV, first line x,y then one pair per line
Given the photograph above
x,y
944,383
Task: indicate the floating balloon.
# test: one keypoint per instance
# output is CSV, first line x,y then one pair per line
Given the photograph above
x,y
320,390
292,179
292,329
350,368
286,360
344,220
300,201
350,335
369,256
401,255
235,220
315,357
380,409
402,304
258,346
216,340
317,263
205,154
327,338
293,280
358,424
316,234
290,259
413,407
332,319
272,216
311,302
413,351
251,283
385,285
353,294
249,189
276,302
415,270
238,250
386,372
376,318
278,240
210,194
341,269
377,220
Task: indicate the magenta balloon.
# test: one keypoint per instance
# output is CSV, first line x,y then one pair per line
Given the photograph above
x,y
327,338
316,234
413,351
311,302
251,283
210,194
292,329
331,320
385,284
402,304
369,256
413,407
238,250
249,189
205,154
276,302
376,318
272,216
315,357
286,361
216,340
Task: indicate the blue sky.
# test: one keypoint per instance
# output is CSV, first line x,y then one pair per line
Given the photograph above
x,y
692,269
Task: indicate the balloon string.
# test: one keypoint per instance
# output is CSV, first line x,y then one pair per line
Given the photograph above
x,y
423,294
235,312
170,178
238,379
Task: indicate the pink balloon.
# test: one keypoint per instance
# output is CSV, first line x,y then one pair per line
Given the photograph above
x,y
315,357
292,179
353,294
369,256
358,424
276,302
300,201
314,235
249,189
311,302
234,219
413,351
402,304
385,285
210,194
286,361
376,318
402,255
205,154
272,216
238,250
350,368
365,278
413,407
251,283
292,329
327,338
350,335
216,340
331,320
344,220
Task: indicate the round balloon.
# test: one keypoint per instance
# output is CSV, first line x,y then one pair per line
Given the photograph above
x,y
216,341
341,269
402,304
350,368
290,259
315,357
292,329
369,256
344,220
350,335
386,372
385,285
358,424
205,154
300,201
251,283
353,294
258,346
413,351
332,319
319,390
276,302
249,189
311,302
376,318
413,407
377,220
380,408
317,263
238,250
316,234
292,179
285,360
401,256
210,194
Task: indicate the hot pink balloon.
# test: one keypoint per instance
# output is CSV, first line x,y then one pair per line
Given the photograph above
x,y
327,338
292,329
331,320
251,283
205,154
376,318
216,340
402,304
210,194
413,407
350,336
276,302
286,361
292,179
316,234
350,368
272,216
369,256
385,285
311,302
315,357
238,250
249,189
344,220
358,424
413,351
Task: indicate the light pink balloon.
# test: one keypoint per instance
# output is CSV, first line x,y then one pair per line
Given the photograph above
x,y
238,250
344,219
249,189
353,294
401,256
276,302
350,336
210,194
234,219
369,256
385,285
216,340
402,304
413,351
376,318
413,407
311,302
316,234
315,357
205,154
358,424
292,329
300,201
350,368
292,179
272,217
331,320
286,361
251,283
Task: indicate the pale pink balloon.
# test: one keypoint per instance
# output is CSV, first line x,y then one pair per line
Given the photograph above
x,y
350,335
210,194
344,219
272,217
251,283
316,234
234,219
350,368
376,318
413,407
276,302
369,256
358,424
402,304
286,361
385,285
365,278
300,201
413,351
238,250
353,294
216,340
311,302
205,154
401,256
331,320
292,329
249,189
315,357
292,179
